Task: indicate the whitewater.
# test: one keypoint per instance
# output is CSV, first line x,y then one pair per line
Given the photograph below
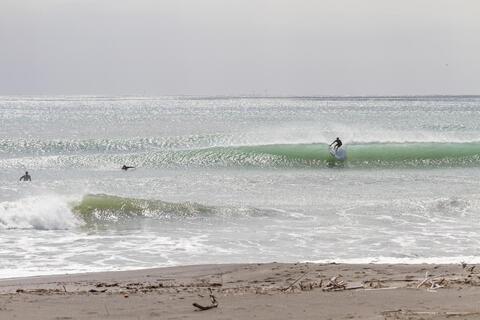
x,y
236,180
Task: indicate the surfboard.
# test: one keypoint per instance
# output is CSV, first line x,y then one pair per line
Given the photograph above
x,y
340,154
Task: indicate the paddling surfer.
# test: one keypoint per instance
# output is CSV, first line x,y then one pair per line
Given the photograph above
x,y
338,144
26,177
126,167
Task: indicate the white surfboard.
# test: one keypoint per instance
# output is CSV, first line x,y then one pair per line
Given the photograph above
x,y
340,154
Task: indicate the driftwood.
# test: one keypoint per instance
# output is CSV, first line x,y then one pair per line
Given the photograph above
x,y
467,268
307,286
335,285
390,280
203,308
435,282
354,288
386,288
430,313
294,282
211,306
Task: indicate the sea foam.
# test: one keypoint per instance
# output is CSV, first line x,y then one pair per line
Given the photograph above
x,y
46,212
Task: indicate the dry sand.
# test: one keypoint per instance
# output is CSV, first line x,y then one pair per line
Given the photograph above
x,y
249,291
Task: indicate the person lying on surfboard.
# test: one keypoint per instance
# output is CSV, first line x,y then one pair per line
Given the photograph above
x,y
126,167
337,143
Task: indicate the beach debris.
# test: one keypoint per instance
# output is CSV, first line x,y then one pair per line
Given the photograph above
x,y
262,291
309,285
206,283
384,288
355,287
102,284
126,295
375,283
294,282
467,268
334,284
434,282
411,313
214,303
94,290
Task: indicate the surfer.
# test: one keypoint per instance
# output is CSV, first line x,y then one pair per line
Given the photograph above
x,y
26,177
338,144
126,167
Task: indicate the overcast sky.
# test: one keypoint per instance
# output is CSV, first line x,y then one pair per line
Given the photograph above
x,y
232,47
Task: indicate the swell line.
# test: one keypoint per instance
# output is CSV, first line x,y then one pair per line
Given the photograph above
x,y
361,155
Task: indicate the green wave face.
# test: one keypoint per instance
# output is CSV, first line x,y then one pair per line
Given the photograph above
x,y
105,208
368,155
371,154
415,154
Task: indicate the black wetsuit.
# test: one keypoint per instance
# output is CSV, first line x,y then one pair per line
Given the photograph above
x,y
26,177
337,143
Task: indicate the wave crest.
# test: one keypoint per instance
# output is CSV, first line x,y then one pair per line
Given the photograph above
x,y
39,212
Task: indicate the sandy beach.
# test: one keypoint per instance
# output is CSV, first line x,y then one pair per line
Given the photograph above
x,y
246,291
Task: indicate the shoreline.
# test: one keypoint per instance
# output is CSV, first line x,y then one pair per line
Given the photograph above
x,y
244,291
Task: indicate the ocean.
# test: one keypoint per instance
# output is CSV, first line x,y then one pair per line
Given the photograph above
x,y
236,180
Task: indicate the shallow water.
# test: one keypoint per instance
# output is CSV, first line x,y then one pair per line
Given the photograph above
x,y
222,180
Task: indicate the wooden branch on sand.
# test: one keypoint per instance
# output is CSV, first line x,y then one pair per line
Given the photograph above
x,y
335,285
447,314
203,308
435,282
294,282
467,268
211,306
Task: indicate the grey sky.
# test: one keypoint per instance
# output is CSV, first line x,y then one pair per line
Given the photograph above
x,y
221,47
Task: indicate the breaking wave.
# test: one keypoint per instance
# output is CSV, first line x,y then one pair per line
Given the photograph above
x,y
53,212
47,212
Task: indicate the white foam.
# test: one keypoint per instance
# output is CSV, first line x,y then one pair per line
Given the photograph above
x,y
405,260
46,212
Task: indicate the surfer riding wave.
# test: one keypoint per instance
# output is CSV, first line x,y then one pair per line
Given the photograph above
x,y
337,144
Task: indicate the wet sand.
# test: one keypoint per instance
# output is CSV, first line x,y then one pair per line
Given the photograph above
x,y
248,291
